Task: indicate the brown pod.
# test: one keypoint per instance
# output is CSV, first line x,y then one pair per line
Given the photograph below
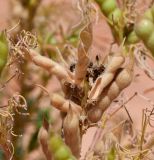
x,y
100,84
94,114
113,90
62,104
48,64
115,62
83,52
105,79
82,64
104,103
72,132
124,78
99,148
43,138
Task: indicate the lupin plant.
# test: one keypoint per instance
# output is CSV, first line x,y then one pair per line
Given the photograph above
x,y
83,104
88,87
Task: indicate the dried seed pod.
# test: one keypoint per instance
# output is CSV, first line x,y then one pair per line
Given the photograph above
x,y
94,114
43,138
99,148
48,64
114,63
105,79
62,104
72,132
82,64
122,80
83,49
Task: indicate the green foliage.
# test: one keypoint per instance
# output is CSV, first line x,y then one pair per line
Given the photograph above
x,y
1,155
43,114
112,154
63,153
58,148
55,143
3,51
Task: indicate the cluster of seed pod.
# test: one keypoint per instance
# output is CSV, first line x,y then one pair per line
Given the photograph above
x,y
3,51
108,86
115,18
110,9
69,105
76,103
144,29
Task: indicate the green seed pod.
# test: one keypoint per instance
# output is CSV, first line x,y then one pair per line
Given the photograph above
x,y
148,15
63,153
150,43
144,28
132,38
3,51
55,142
58,148
116,15
100,1
108,6
152,11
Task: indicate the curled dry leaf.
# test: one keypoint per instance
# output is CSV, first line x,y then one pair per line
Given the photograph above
x,y
72,132
83,51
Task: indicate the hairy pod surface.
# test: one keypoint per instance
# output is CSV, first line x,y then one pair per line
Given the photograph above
x,y
72,132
